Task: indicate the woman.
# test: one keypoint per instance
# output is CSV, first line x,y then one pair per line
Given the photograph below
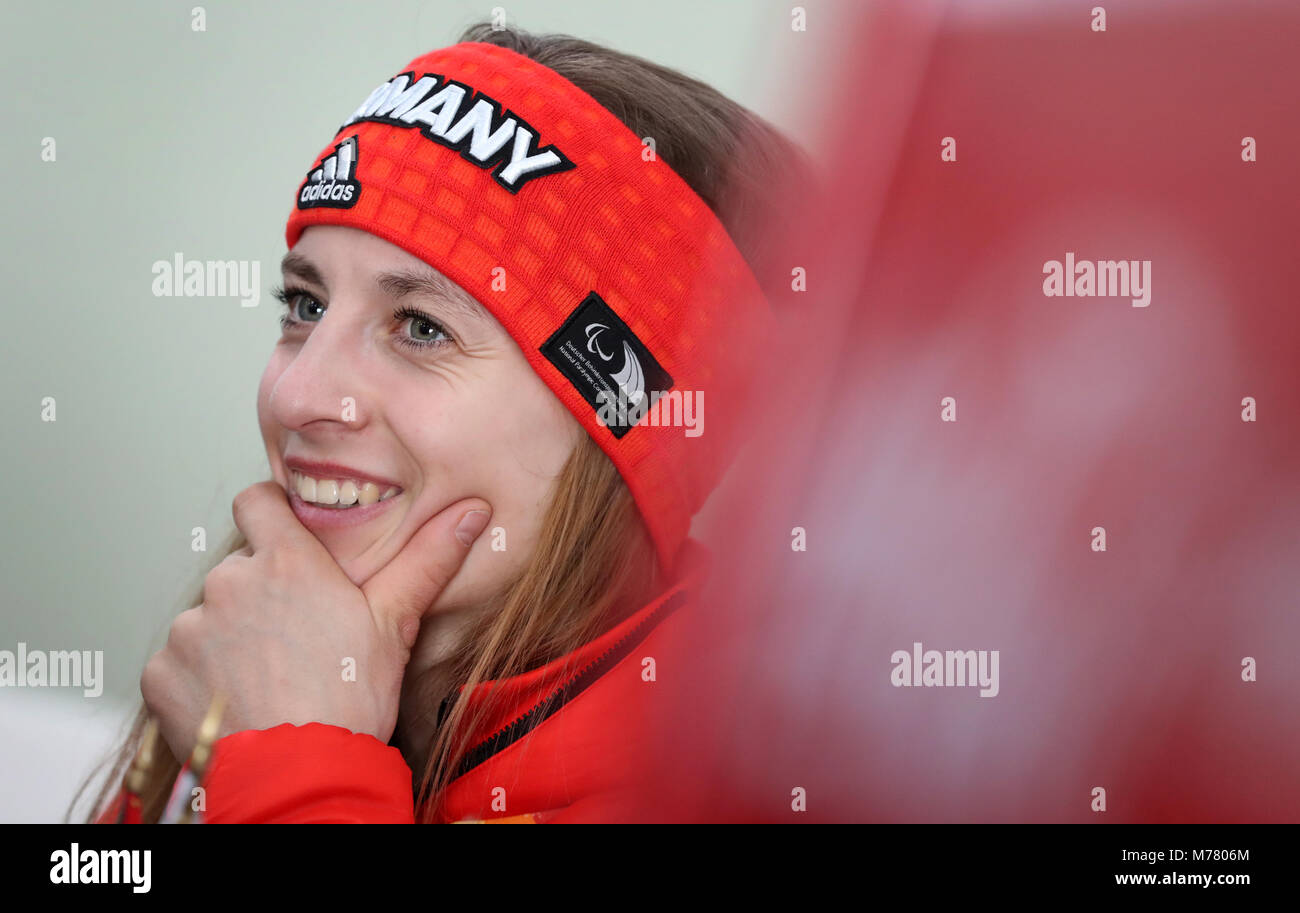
x,y
488,499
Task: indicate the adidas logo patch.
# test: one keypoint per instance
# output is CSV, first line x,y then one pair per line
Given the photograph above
x,y
333,182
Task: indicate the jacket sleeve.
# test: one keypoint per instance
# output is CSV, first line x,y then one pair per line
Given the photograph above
x,y
314,773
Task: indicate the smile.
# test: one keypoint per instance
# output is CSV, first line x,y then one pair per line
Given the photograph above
x,y
338,494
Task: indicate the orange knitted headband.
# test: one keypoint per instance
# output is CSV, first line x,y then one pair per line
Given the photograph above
x,y
618,282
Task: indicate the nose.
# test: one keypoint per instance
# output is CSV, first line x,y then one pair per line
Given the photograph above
x,y
327,380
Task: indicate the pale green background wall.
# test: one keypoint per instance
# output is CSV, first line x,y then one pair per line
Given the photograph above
x,y
173,140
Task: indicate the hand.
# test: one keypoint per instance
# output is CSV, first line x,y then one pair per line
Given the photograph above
x,y
288,638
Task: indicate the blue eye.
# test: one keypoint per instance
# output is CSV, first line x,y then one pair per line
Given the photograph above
x,y
423,331
301,307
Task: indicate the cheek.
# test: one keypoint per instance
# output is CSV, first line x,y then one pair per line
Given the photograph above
x,y
531,444
273,433
507,444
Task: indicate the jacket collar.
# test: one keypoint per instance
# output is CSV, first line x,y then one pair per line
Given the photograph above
x,y
524,701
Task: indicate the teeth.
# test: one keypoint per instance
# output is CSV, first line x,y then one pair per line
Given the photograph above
x,y
348,493
339,494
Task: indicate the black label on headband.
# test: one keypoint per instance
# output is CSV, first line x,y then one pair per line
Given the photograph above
x,y
609,366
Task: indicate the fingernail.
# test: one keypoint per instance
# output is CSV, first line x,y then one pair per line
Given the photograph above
x,y
471,525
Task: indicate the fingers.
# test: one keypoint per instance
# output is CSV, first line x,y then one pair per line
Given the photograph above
x,y
163,681
263,515
403,590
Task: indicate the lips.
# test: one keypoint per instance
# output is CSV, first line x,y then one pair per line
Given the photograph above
x,y
330,495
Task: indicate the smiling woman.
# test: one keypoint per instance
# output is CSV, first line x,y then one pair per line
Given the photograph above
x,y
501,254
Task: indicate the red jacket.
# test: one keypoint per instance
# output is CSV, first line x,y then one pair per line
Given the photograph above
x,y
567,746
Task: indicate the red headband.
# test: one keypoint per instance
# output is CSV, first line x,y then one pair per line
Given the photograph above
x,y
612,275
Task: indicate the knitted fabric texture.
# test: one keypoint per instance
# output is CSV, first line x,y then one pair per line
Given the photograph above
x,y
425,163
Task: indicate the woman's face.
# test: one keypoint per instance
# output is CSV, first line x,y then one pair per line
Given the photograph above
x,y
396,375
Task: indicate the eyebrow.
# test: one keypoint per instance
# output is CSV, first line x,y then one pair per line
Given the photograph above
x,y
295,264
400,284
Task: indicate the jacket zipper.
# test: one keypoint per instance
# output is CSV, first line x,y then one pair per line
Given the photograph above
x,y
506,736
